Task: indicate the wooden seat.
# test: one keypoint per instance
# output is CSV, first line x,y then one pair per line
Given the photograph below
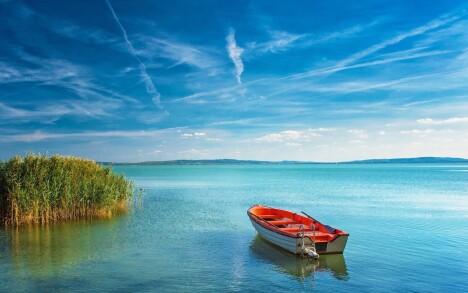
x,y
283,222
269,216
294,229
308,231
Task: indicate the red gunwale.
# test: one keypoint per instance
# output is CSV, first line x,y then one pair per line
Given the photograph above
x,y
279,215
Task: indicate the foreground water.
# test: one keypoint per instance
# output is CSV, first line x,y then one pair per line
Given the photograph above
x,y
408,226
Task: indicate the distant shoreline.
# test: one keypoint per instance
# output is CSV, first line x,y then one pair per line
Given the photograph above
x,y
418,160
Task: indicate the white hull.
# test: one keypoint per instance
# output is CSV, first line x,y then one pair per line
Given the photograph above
x,y
286,242
293,244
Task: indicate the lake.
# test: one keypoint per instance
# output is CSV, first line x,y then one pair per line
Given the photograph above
x,y
408,226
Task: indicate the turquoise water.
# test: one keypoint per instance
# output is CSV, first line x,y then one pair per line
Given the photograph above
x,y
408,225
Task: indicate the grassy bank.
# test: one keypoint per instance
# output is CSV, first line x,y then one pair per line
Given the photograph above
x,y
41,189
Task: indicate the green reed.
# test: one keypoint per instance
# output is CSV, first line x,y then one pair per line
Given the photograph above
x,y
41,189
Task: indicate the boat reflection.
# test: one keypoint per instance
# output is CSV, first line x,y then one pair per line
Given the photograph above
x,y
297,266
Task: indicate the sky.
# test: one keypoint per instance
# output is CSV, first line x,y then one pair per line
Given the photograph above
x,y
153,80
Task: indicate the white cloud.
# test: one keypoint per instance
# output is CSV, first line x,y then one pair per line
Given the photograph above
x,y
235,53
359,133
282,136
293,144
444,121
273,137
289,135
192,152
417,131
155,152
322,129
195,134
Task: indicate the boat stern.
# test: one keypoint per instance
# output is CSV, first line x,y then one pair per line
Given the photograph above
x,y
337,245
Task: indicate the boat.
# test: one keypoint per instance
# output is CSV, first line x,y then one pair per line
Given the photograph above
x,y
299,234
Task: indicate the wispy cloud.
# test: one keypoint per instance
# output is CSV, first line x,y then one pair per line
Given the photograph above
x,y
223,94
235,53
40,136
347,63
443,121
279,87
150,88
340,34
75,93
201,57
44,70
456,33
417,103
81,33
341,67
280,41
50,112
239,122
362,86
434,24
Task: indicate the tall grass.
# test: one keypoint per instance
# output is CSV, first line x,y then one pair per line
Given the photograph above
x,y
41,189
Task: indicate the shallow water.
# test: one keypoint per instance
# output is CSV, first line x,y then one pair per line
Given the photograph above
x,y
407,224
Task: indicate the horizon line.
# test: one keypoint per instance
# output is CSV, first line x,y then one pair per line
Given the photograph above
x,y
427,158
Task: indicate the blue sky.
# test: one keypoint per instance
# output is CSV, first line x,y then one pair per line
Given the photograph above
x,y
264,80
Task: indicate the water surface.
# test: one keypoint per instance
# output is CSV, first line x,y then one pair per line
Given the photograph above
x,y
408,226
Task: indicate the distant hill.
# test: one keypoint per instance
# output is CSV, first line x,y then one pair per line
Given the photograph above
x,y
410,160
253,162
208,162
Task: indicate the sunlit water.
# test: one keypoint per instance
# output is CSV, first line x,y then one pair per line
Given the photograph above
x,y
408,225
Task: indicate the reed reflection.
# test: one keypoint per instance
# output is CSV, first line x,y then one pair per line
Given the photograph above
x,y
43,250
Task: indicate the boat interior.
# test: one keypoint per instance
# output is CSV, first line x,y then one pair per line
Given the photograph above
x,y
292,223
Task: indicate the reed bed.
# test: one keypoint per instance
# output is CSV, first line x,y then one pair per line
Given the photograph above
x,y
42,189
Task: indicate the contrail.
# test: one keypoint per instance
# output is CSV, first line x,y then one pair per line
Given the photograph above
x,y
150,88
235,53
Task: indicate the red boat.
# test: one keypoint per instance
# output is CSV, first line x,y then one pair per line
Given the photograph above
x,y
297,233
